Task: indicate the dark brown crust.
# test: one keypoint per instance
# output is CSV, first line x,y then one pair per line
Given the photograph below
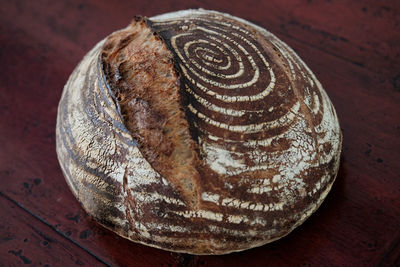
x,y
282,98
143,71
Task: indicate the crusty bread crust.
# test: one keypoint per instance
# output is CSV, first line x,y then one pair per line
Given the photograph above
x,y
197,132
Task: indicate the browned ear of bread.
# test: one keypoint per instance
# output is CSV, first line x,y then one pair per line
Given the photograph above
x,y
198,132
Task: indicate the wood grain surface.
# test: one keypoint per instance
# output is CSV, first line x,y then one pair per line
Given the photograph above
x,y
353,47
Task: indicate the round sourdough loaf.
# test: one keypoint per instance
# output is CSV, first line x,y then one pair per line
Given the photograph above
x,y
199,132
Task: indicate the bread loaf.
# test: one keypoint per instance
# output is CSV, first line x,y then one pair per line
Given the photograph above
x,y
198,132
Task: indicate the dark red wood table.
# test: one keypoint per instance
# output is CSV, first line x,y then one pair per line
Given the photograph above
x,y
352,46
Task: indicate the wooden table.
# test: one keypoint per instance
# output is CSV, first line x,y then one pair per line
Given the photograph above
x,y
352,46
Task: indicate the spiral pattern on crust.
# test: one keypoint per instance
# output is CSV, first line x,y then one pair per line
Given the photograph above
x,y
234,91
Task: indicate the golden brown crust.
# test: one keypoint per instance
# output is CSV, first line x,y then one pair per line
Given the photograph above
x,y
140,72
